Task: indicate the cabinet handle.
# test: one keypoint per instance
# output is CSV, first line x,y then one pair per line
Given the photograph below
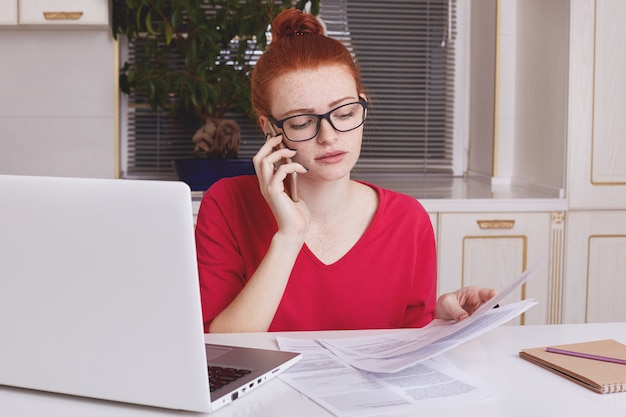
x,y
62,15
496,224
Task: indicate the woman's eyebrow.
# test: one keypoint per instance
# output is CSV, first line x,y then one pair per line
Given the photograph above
x,y
309,110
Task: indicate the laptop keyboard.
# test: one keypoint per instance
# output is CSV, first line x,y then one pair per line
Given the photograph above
x,y
220,376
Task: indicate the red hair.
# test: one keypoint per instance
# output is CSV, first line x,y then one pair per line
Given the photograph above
x,y
298,42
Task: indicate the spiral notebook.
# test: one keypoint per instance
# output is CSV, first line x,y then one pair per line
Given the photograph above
x,y
599,376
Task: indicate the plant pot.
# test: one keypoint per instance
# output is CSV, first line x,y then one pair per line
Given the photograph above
x,y
200,174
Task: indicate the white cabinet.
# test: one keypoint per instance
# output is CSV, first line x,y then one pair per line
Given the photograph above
x,y
8,13
595,274
597,105
58,107
595,252
63,12
491,249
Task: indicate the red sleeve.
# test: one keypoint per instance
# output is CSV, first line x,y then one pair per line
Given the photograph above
x,y
219,266
233,232
421,308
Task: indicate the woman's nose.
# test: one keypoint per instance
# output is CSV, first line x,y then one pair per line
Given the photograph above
x,y
327,132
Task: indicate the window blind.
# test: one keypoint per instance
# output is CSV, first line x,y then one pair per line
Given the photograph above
x,y
407,61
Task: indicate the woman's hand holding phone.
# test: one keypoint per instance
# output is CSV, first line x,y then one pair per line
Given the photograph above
x,y
291,182
276,175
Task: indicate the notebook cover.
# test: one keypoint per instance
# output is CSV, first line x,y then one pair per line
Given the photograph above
x,y
599,376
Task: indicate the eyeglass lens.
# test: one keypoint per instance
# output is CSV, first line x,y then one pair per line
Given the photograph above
x,y
306,126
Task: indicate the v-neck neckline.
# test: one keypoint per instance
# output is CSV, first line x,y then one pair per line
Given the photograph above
x,y
358,243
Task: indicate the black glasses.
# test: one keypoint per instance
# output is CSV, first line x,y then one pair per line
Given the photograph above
x,y
303,127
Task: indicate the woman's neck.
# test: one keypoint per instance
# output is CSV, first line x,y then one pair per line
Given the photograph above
x,y
339,217
328,198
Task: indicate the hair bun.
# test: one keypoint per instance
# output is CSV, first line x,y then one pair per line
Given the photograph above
x,y
294,22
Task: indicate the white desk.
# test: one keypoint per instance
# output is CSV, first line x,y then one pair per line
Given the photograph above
x,y
520,388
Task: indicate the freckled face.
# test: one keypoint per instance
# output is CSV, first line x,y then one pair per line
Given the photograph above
x,y
331,154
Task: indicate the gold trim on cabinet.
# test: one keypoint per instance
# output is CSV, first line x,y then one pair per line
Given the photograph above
x,y
62,15
116,111
555,292
495,224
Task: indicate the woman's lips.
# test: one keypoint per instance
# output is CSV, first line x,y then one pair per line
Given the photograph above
x,y
331,157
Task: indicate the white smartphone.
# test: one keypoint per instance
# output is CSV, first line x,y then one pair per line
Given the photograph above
x,y
291,182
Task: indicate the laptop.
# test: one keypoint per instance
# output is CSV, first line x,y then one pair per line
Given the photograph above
x,y
99,296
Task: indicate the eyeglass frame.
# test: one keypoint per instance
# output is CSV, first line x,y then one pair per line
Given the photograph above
x,y
326,116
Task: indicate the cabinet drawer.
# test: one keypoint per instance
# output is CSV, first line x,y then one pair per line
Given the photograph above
x,y
64,12
491,249
8,12
596,266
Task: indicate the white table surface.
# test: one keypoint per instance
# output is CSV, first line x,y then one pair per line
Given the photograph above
x,y
519,387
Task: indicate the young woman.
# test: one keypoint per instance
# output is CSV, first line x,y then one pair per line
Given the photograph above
x,y
343,255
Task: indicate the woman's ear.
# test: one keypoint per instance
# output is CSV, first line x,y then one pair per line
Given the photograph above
x,y
263,123
267,126
262,120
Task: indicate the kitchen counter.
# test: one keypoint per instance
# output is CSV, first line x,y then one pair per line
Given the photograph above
x,y
461,194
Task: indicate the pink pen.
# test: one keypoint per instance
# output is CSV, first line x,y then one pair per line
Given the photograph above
x,y
586,355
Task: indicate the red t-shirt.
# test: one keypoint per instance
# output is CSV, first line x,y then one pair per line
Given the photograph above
x,y
387,280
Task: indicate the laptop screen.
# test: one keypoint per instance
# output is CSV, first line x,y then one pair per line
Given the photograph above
x,y
99,290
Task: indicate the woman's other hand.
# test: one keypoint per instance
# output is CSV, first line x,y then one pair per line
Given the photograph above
x,y
461,303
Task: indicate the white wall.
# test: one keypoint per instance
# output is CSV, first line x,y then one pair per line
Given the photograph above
x,y
482,86
57,94
541,91
519,90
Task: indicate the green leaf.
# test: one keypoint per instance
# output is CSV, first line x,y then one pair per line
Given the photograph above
x,y
152,91
148,22
176,17
168,32
194,98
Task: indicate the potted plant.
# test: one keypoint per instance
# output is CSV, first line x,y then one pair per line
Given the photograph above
x,y
214,44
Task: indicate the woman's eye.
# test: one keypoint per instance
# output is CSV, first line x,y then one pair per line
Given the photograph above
x,y
300,124
345,115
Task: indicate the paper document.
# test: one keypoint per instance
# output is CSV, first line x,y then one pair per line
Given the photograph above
x,y
397,351
397,371
346,391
